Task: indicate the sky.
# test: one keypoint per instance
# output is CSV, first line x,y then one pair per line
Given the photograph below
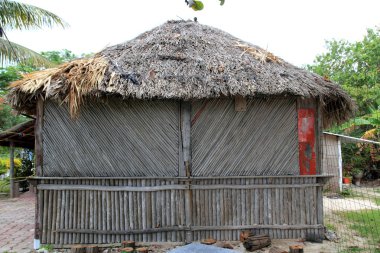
x,y
295,30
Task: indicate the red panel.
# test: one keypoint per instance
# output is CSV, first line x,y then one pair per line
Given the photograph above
x,y
306,139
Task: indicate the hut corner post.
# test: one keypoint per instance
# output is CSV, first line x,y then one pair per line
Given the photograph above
x,y
186,168
38,164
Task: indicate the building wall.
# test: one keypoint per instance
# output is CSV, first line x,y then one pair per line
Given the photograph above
x,y
330,162
245,173
115,138
259,141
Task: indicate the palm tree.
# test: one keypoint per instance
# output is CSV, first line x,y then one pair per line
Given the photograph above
x,y
20,16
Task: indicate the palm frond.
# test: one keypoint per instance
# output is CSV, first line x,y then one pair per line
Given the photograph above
x,y
15,15
11,52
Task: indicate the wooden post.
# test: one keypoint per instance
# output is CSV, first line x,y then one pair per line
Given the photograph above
x,y
38,137
11,169
186,169
38,163
92,249
296,249
78,249
340,164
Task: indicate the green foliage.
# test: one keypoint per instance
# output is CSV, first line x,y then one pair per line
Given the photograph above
x,y
355,66
47,247
20,16
8,75
347,192
27,167
355,249
4,186
197,5
13,73
58,57
8,118
5,164
330,226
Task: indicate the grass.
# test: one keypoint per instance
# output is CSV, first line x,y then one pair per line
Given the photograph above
x,y
330,226
366,223
356,249
377,201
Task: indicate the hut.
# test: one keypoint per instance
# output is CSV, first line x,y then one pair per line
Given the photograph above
x,y
182,133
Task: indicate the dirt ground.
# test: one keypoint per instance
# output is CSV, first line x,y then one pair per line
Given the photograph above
x,y
325,247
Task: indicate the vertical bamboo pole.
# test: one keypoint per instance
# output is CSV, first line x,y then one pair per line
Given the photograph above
x,y
186,152
38,163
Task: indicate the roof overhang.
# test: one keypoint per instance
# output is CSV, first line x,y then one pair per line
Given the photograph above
x,y
21,135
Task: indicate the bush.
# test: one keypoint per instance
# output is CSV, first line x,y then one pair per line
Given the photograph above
x,y
5,164
4,186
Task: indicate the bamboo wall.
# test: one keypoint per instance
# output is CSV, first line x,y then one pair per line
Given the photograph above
x,y
330,162
134,138
111,210
259,141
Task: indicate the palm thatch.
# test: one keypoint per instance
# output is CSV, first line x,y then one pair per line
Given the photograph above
x,y
180,60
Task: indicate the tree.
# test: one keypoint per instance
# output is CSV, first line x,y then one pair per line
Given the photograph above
x,y
13,73
20,16
356,67
58,57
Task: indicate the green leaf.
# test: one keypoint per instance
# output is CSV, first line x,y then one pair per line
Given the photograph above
x,y
197,6
221,2
11,52
15,15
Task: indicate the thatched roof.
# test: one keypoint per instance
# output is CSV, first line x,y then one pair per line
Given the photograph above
x,y
180,60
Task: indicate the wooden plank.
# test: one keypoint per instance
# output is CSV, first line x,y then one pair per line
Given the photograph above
x,y
181,178
169,187
194,228
58,187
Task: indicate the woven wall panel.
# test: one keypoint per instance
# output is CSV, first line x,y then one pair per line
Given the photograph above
x,y
260,141
330,162
116,138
